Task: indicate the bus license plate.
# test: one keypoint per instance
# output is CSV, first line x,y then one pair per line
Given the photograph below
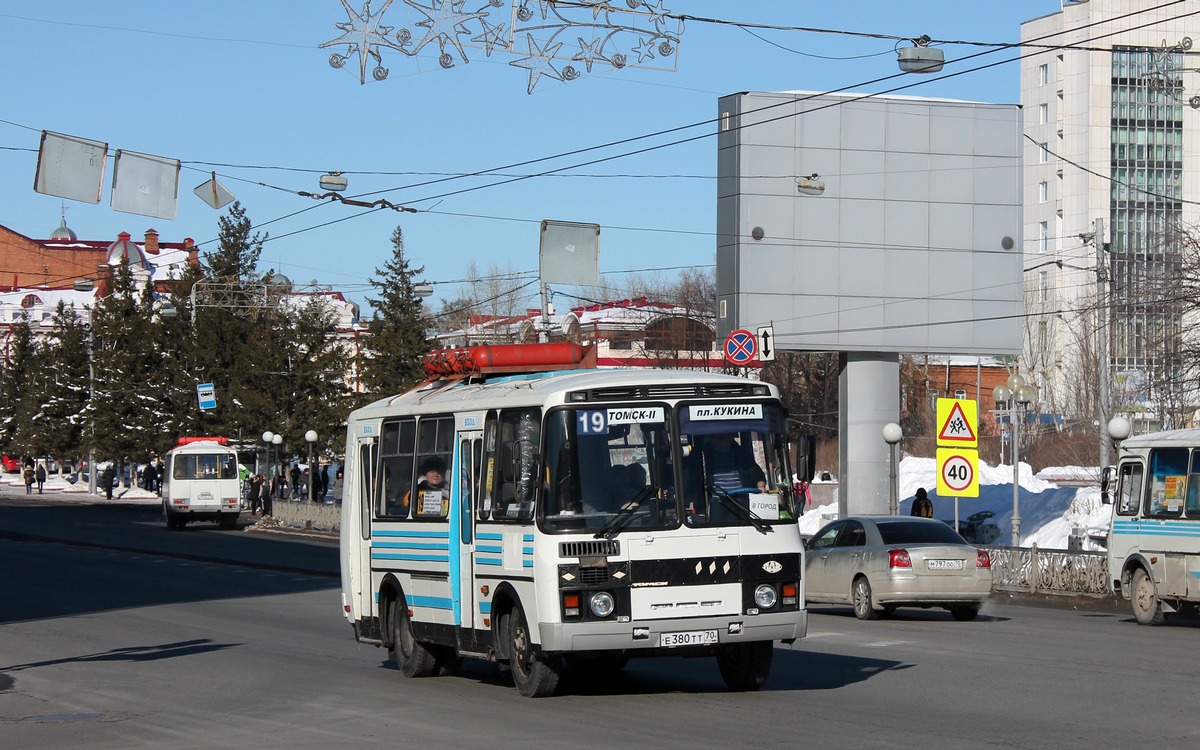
x,y
944,564
688,638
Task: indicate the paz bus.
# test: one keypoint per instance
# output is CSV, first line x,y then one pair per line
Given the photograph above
x,y
583,521
1153,546
201,483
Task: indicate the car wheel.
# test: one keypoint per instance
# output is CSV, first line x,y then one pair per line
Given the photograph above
x,y
414,658
860,595
1147,609
534,674
745,666
965,613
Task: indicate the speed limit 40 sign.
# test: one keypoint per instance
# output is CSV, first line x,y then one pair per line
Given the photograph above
x,y
958,472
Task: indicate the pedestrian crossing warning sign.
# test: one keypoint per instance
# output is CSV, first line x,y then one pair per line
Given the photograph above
x,y
958,421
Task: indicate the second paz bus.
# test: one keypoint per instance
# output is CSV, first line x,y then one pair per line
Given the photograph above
x,y
524,507
1153,547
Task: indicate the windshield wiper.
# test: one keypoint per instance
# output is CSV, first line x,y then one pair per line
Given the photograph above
x,y
734,507
613,527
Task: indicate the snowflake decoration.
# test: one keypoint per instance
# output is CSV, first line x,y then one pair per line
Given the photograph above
x,y
610,35
1167,69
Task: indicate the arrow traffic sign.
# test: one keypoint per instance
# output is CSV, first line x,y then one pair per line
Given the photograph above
x,y
766,343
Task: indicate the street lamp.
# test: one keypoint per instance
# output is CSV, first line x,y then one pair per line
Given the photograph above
x,y
311,437
1011,395
267,437
892,433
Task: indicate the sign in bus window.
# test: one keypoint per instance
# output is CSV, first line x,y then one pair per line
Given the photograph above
x,y
1168,481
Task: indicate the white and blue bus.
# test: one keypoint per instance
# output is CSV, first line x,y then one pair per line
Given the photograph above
x,y
1153,544
585,519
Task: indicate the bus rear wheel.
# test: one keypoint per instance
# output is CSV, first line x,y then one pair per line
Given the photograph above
x,y
534,674
412,657
745,666
1147,609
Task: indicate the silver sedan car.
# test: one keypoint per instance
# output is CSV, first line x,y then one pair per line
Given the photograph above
x,y
878,563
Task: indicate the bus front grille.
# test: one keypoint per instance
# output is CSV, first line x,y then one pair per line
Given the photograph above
x,y
600,547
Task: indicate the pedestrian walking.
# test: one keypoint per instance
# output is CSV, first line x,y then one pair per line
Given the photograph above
x,y
28,476
41,476
108,477
324,486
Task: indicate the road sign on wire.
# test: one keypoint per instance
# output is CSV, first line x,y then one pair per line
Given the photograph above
x,y
958,472
958,420
740,347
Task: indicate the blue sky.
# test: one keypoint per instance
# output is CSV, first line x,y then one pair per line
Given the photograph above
x,y
242,88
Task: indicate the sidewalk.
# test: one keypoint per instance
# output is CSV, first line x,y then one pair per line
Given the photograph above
x,y
56,487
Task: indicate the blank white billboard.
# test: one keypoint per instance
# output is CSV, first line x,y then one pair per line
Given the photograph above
x,y
914,245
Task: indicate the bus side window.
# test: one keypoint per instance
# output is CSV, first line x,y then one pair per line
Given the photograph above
x,y
1130,490
1168,476
1193,485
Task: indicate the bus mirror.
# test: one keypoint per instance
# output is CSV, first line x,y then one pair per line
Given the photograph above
x,y
1106,479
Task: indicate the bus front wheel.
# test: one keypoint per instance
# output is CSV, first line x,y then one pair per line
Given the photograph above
x,y
534,674
412,657
745,666
1147,609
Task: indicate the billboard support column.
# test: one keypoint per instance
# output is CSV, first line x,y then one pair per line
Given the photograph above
x,y
869,398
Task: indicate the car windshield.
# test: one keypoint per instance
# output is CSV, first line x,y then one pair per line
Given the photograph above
x,y
915,532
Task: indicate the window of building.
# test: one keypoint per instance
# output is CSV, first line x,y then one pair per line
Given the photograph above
x,y
1043,192
1043,286
1043,113
1043,237
1043,154
1043,75
960,393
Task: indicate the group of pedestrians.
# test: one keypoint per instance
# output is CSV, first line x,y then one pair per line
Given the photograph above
x,y
290,485
33,473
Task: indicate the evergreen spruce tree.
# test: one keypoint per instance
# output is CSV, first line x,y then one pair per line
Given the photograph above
x,y
66,391
121,420
396,337
232,336
18,388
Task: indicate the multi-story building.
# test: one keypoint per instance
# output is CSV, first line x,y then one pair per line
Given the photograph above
x,y
1111,157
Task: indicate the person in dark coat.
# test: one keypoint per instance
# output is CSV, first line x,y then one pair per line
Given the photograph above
x,y
922,506
108,477
41,476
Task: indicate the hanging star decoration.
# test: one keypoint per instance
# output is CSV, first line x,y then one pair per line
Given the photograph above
x,y
610,35
1165,71
363,35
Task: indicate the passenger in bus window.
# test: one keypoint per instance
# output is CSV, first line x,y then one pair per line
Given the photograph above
x,y
433,491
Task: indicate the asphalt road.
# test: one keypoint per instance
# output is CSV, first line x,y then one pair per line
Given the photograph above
x,y
115,633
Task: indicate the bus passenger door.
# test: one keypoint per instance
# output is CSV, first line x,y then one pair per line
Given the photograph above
x,y
464,490
357,498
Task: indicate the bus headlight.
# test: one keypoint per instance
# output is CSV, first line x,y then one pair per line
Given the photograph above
x,y
765,596
602,604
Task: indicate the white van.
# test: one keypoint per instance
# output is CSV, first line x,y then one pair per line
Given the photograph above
x,y
201,483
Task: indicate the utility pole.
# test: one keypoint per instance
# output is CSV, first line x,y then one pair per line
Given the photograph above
x,y
1102,406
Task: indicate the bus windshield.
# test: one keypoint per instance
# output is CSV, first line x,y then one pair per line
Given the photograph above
x,y
601,463
615,468
736,461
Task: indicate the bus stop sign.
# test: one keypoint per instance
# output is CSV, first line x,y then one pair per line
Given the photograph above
x,y
207,396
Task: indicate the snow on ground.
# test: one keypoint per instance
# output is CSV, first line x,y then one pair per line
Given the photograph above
x,y
1049,512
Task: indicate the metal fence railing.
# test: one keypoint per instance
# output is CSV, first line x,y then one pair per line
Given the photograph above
x,y
1049,571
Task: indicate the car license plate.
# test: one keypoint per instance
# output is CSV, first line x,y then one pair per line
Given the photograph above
x,y
688,638
944,564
